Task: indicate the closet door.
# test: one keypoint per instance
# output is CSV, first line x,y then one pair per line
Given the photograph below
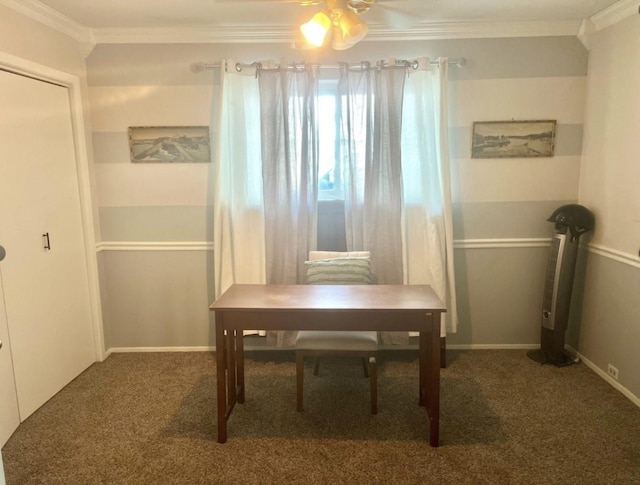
x,y
9,417
44,273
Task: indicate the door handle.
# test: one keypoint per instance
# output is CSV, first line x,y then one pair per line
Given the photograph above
x,y
0,344
47,243
3,253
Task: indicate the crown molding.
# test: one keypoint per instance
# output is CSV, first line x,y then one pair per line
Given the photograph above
x,y
585,34
279,34
614,14
190,35
477,30
51,18
606,18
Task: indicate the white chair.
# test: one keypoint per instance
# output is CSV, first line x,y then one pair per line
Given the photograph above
x,y
338,343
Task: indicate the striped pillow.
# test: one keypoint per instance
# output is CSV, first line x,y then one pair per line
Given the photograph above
x,y
339,271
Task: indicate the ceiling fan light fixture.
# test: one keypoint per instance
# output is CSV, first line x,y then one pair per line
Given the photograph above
x,y
339,24
352,28
359,6
301,42
338,41
316,29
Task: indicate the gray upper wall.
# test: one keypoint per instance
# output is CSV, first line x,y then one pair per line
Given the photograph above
x,y
526,65
168,64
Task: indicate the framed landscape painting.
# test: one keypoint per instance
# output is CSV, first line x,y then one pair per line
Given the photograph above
x,y
513,139
169,144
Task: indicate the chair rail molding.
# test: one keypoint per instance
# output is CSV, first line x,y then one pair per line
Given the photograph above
x,y
615,255
154,246
524,243
502,243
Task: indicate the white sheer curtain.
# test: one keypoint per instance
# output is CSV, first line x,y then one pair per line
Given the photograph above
x,y
238,207
427,216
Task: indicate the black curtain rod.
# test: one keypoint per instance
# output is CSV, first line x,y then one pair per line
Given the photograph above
x,y
201,66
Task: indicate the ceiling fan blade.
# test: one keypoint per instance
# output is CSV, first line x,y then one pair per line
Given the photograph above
x,y
392,14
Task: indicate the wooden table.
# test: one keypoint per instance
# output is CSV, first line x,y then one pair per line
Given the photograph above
x,y
326,307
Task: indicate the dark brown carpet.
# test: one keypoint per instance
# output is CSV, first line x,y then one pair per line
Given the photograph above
x,y
150,419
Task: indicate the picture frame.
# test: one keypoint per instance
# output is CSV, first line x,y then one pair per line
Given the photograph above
x,y
169,144
513,139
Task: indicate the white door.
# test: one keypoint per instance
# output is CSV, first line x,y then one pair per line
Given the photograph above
x,y
46,290
9,417
2,479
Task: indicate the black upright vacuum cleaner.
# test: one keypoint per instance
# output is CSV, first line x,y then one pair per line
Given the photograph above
x,y
571,221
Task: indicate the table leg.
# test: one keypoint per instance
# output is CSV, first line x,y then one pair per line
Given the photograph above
x,y
221,377
240,364
299,381
433,381
443,352
230,346
423,353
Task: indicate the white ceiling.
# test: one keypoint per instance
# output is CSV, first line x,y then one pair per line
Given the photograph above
x,y
170,13
109,20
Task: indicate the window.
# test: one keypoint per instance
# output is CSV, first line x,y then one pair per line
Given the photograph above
x,y
333,140
329,165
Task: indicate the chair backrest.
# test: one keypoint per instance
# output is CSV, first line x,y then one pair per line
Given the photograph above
x,y
315,255
339,268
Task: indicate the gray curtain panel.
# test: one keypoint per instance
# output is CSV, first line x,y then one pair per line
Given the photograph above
x,y
288,104
371,121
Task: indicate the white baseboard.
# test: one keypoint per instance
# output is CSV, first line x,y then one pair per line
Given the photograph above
x,y
492,346
615,384
129,350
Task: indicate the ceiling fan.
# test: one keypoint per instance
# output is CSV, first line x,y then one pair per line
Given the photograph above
x,y
338,24
357,6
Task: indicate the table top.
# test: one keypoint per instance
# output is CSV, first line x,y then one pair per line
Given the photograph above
x,y
329,297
